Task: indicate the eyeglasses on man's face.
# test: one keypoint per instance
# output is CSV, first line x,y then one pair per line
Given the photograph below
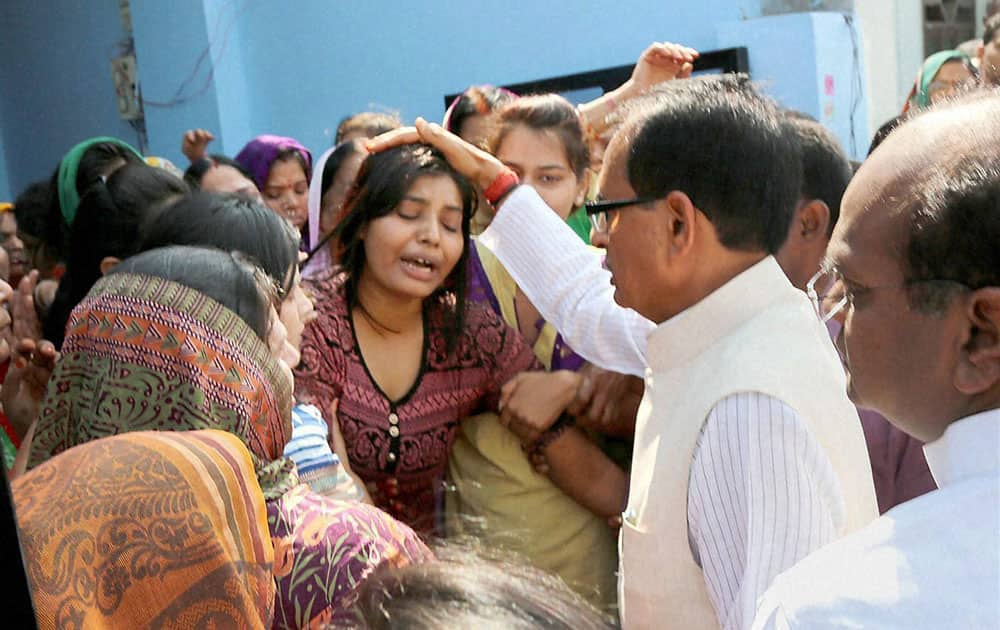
x,y
830,294
604,214
826,294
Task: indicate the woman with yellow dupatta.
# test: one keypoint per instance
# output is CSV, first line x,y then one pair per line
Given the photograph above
x,y
499,496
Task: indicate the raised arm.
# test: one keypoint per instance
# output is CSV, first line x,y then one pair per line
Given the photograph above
x,y
661,61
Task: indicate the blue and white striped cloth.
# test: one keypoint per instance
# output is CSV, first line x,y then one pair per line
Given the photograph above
x,y
309,448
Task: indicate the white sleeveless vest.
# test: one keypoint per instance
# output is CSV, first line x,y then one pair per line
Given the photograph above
x,y
757,333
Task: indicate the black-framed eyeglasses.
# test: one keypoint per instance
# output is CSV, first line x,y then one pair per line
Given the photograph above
x,y
604,214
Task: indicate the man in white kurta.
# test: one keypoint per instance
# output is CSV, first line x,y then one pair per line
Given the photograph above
x,y
748,455
916,254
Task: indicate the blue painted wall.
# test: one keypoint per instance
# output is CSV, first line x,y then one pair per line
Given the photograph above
x,y
299,71
343,57
841,81
6,192
170,40
55,82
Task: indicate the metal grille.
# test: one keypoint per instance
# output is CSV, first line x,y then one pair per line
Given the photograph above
x,y
948,23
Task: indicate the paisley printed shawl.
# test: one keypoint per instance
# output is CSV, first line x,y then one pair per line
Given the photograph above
x,y
149,529
143,354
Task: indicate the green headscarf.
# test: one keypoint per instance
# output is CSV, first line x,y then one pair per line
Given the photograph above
x,y
69,198
919,98
580,222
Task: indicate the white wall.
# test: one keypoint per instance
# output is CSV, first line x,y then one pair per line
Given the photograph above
x,y
893,36
893,40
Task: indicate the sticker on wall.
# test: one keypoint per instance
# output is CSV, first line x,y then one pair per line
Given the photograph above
x,y
828,85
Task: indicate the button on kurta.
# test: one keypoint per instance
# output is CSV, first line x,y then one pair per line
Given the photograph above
x,y
393,419
394,431
391,457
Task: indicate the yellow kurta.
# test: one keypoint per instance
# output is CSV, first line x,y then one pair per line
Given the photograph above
x,y
502,500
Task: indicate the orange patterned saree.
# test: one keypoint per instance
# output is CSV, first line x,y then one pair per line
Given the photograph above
x,y
148,529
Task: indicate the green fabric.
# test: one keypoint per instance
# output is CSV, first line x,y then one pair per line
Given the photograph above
x,y
69,197
147,354
580,223
929,69
9,450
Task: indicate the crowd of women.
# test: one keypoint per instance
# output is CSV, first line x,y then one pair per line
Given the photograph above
x,y
274,390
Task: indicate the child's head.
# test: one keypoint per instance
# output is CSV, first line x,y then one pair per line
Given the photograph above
x,y
541,139
405,230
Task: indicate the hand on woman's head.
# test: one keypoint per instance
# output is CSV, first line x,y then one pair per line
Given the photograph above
x,y
475,164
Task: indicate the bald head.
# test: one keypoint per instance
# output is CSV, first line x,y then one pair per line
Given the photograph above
x,y
939,135
916,255
920,175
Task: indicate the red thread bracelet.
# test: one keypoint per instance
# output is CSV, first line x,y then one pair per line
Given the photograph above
x,y
505,182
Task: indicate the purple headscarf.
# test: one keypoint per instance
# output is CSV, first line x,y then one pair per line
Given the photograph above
x,y
259,154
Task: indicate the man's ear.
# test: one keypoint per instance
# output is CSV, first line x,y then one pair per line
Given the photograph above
x,y
978,369
812,220
108,263
980,50
680,215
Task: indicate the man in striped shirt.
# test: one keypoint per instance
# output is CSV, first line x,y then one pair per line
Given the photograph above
x,y
748,455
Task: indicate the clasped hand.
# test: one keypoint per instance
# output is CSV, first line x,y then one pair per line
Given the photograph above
x,y
532,401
